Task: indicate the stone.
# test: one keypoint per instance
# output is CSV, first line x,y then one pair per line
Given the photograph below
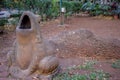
x,y
29,53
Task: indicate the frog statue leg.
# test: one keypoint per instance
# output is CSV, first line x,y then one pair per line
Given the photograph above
x,y
30,51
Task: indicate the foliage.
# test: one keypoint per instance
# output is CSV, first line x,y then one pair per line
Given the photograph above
x,y
2,23
51,8
67,76
96,9
13,21
116,12
88,6
72,7
68,6
117,0
102,9
116,64
86,66
92,75
95,75
15,15
98,75
76,6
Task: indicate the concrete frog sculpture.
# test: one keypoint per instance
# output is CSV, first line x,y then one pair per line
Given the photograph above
x,y
29,52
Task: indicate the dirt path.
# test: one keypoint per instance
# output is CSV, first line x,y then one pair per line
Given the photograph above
x,y
100,27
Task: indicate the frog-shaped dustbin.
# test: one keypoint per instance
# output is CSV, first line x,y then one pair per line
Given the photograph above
x,y
29,55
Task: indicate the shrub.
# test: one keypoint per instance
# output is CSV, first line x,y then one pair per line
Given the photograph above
x,y
72,7
15,15
96,9
76,6
2,23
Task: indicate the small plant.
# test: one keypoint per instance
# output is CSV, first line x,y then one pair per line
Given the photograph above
x,y
79,77
88,6
95,75
99,75
62,76
67,76
86,66
116,64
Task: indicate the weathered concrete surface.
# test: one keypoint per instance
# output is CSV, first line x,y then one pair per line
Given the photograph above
x,y
29,53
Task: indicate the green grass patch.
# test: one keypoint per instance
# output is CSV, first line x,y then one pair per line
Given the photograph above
x,y
116,64
92,75
67,76
95,75
99,75
86,66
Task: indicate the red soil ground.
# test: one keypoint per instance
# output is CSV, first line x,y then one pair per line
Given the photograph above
x,y
101,27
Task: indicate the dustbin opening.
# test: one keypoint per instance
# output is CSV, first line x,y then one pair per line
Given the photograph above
x,y
25,23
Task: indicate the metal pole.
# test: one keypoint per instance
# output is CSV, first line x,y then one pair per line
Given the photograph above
x,y
60,5
61,23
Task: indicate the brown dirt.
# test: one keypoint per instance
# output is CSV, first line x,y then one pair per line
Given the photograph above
x,y
102,28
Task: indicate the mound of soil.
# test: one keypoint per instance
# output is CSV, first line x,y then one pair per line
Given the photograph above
x,y
83,42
